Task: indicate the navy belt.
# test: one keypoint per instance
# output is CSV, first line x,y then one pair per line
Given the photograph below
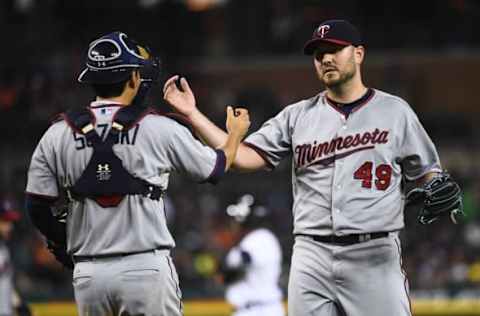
x,y
115,255
346,239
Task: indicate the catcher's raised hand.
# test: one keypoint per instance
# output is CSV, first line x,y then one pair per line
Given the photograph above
x,y
181,99
238,121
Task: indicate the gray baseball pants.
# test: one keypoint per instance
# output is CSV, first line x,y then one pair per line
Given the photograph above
x,y
141,284
363,279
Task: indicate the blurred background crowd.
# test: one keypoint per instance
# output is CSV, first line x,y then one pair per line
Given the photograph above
x,y
248,52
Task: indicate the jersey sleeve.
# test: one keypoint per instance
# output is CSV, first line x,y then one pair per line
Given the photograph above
x,y
189,156
273,140
418,153
41,172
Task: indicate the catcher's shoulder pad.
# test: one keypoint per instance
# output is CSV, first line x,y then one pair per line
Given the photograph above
x,y
130,116
59,117
77,119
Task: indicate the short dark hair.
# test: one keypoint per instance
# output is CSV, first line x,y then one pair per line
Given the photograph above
x,y
109,90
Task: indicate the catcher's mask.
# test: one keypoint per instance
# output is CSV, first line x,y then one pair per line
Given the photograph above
x,y
113,57
248,213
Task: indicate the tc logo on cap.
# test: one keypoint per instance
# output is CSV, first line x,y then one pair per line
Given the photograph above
x,y
323,30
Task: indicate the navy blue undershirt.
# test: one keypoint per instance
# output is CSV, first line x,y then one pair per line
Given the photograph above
x,y
347,108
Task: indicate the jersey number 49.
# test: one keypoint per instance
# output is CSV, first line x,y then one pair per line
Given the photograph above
x,y
383,175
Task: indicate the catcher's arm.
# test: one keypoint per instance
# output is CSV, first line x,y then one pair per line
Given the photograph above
x,y
39,209
53,228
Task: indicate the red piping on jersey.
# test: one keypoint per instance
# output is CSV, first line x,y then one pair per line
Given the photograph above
x,y
262,154
358,106
405,275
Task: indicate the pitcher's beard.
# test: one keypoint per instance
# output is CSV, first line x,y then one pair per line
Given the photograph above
x,y
336,83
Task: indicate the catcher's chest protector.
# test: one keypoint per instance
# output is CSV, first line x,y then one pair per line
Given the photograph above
x,y
105,180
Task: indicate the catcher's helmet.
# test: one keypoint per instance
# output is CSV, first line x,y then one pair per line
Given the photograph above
x,y
113,57
247,212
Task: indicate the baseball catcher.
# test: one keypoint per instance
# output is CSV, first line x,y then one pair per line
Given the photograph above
x,y
113,159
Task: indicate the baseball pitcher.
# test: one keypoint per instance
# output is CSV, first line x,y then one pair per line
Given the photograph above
x,y
113,160
355,150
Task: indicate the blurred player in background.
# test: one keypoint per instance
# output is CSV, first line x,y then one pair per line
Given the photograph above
x,y
251,269
11,303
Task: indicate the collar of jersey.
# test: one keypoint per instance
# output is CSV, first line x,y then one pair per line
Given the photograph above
x,y
104,103
347,108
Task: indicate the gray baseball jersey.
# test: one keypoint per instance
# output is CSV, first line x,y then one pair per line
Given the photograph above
x,y
346,172
6,281
347,175
152,150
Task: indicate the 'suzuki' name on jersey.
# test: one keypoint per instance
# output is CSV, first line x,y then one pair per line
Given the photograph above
x,y
308,154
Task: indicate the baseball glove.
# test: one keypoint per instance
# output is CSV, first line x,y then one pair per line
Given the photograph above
x,y
438,197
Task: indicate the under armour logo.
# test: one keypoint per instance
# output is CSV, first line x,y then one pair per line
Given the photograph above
x,y
323,30
105,167
103,172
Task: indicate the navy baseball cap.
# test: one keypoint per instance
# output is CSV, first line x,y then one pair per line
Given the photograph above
x,y
8,212
340,32
112,58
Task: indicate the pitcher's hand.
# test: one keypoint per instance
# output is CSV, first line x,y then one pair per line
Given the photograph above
x,y
182,100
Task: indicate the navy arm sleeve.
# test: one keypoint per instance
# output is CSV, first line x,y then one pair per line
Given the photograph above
x,y
39,209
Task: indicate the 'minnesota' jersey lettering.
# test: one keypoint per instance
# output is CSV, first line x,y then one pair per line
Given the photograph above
x,y
347,170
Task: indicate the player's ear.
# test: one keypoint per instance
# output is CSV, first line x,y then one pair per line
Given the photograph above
x,y
133,79
358,54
